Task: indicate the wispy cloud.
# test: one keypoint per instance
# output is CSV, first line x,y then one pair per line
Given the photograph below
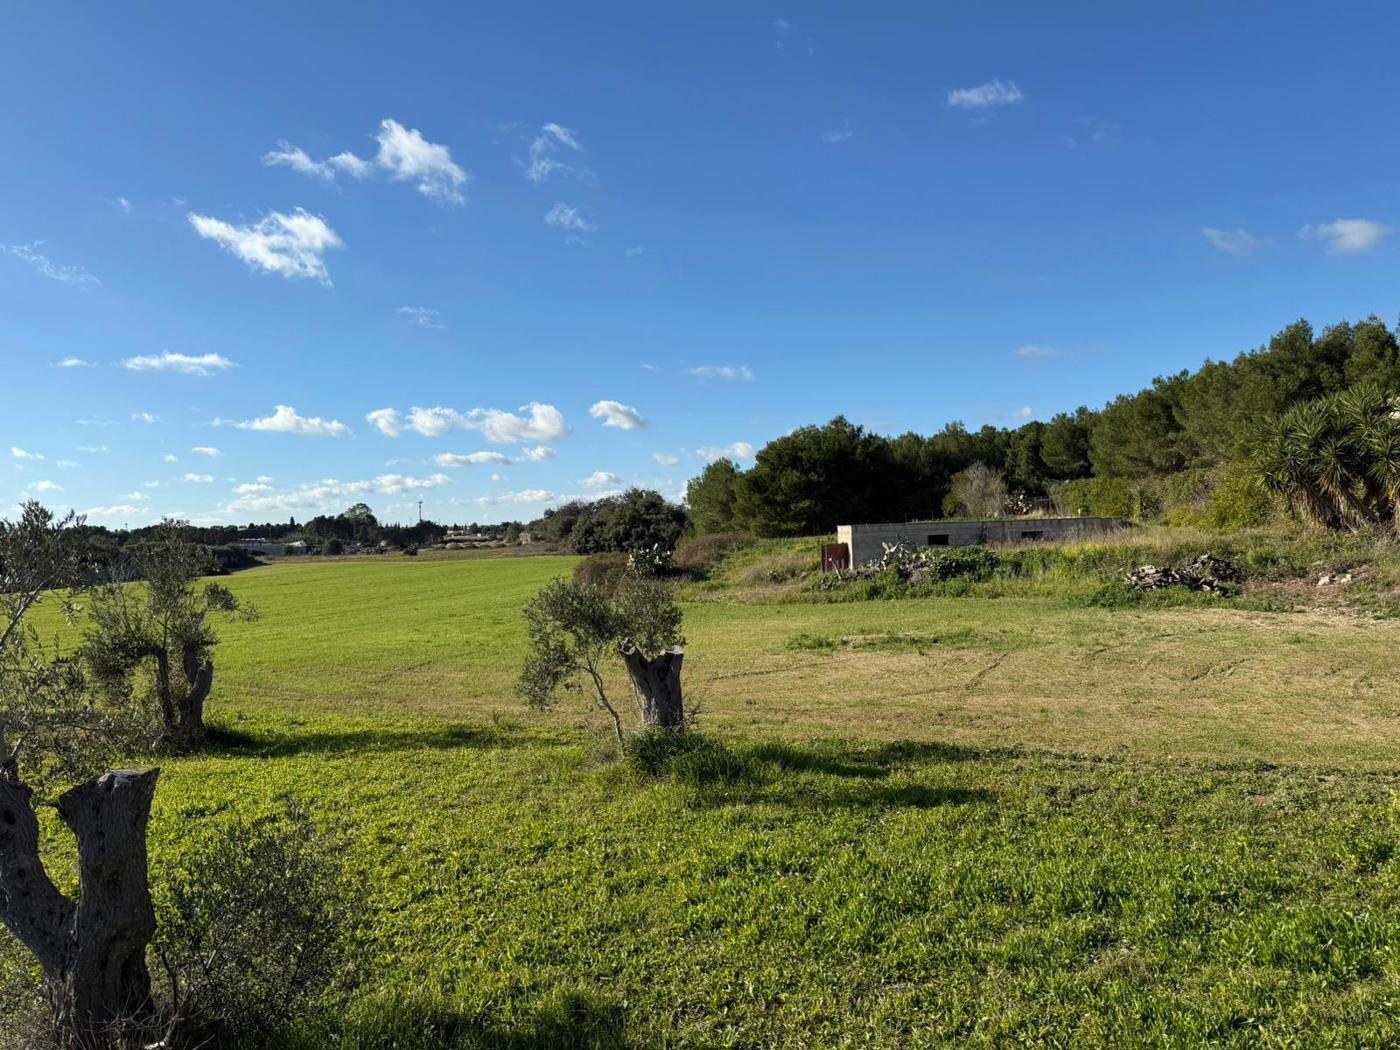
x,y
145,417
524,496
1035,352
202,365
552,140
291,245
738,450
404,156
1236,242
74,362
422,316
984,96
46,486
616,414
206,450
742,372
538,454
20,453
665,459
285,420
41,263
201,479
1347,236
571,219
834,136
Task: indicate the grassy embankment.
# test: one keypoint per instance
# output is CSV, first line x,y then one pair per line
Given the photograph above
x,y
958,821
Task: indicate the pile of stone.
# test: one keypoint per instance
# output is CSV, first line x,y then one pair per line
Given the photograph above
x,y
1205,573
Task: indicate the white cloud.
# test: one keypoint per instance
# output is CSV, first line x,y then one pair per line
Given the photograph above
x,y
394,484
145,417
292,245
19,453
451,459
404,155
739,450
44,265
67,464
253,488
170,457
407,156
665,459
47,486
838,135
202,479
125,205
324,495
524,496
422,316
601,479
538,454
284,420
616,414
1035,352
567,218
386,420
634,251
722,372
137,497
203,365
74,362
1347,236
544,151
1025,412
539,422
1236,242
111,512
92,448
993,93
206,450
296,158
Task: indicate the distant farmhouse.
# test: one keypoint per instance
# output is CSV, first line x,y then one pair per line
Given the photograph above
x,y
859,544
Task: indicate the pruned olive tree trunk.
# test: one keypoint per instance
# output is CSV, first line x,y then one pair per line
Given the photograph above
x,y
92,952
657,684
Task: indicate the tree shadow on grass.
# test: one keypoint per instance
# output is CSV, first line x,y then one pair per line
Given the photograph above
x,y
232,743
869,762
569,1020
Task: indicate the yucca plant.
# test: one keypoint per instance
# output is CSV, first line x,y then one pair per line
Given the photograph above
x,y
1337,459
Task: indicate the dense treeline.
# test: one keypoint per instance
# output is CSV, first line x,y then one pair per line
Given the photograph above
x,y
1188,435
635,520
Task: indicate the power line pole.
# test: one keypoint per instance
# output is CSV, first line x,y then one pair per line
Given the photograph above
x,y
420,512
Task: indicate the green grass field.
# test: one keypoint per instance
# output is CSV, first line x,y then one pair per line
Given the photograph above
x,y
961,821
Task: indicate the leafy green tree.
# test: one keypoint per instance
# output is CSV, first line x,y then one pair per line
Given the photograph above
x,y
162,625
713,498
638,519
1064,444
815,478
91,949
575,628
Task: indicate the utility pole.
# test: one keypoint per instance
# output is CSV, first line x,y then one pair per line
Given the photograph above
x,y
420,512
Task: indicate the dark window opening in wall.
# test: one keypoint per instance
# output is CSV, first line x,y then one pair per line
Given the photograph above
x,y
1033,535
939,539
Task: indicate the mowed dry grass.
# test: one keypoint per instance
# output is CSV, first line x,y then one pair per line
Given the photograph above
x,y
404,640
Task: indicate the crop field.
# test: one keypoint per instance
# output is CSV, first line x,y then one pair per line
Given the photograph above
x,y
942,821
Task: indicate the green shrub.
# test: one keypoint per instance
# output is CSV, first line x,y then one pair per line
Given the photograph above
x,y
251,925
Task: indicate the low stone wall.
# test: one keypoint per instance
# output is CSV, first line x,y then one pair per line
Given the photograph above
x,y
865,542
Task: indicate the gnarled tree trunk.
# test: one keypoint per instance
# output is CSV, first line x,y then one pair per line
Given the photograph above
x,y
657,683
92,953
199,679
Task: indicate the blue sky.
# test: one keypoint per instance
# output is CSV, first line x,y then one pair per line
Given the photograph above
x,y
593,245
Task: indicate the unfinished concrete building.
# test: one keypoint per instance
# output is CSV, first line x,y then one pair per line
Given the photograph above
x,y
859,544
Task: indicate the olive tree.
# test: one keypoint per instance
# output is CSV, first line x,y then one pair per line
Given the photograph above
x,y
576,628
92,948
161,626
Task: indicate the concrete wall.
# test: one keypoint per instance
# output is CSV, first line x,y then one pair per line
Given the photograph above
x,y
865,541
